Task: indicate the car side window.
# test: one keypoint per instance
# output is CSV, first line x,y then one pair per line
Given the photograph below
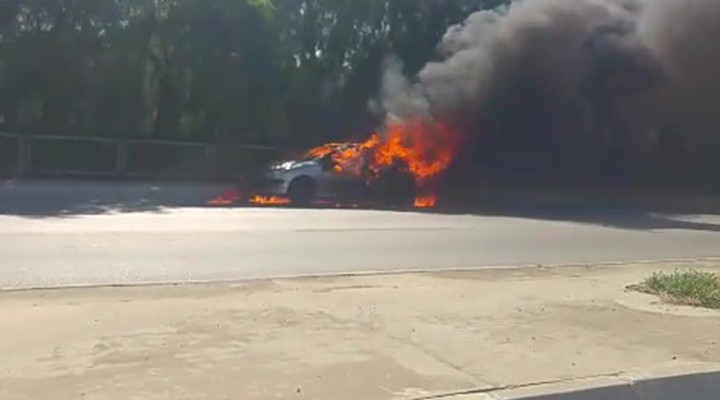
x,y
326,163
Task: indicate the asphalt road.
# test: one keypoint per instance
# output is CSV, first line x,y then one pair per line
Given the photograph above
x,y
54,235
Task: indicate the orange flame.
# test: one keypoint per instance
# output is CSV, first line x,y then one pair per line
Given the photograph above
x,y
425,148
228,198
425,201
322,151
269,200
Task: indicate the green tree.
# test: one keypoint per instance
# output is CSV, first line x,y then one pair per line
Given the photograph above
x,y
283,71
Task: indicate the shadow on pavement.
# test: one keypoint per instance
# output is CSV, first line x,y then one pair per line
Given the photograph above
x,y
42,199
50,198
622,211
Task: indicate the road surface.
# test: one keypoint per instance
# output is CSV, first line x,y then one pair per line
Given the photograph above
x,y
93,241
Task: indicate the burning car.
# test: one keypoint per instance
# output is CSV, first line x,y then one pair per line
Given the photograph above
x,y
337,172
397,167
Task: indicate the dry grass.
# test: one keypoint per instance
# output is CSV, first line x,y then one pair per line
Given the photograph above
x,y
694,288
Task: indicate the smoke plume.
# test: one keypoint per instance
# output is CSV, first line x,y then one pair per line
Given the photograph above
x,y
616,87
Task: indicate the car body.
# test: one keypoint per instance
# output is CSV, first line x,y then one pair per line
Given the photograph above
x,y
318,177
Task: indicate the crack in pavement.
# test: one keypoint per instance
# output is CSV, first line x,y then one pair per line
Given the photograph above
x,y
497,388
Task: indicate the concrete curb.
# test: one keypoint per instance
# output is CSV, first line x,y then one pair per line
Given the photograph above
x,y
695,382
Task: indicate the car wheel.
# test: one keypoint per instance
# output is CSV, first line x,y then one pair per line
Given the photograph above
x,y
396,190
302,191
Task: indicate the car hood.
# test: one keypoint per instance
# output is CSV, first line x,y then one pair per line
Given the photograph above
x,y
291,165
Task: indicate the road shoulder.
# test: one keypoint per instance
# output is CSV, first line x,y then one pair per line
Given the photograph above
x,y
369,337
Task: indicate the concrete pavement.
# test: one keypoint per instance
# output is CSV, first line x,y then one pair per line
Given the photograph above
x,y
412,336
55,234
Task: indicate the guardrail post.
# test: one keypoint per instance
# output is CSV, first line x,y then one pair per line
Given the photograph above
x,y
211,160
24,161
121,157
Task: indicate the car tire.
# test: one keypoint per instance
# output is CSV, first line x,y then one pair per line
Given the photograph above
x,y
302,191
395,190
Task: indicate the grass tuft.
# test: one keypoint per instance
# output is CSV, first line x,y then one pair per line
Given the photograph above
x,y
693,288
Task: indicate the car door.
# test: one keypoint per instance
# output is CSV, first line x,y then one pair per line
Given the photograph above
x,y
339,184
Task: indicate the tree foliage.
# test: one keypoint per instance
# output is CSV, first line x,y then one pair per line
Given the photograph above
x,y
276,71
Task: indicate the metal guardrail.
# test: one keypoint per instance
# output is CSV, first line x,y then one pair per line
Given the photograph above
x,y
27,155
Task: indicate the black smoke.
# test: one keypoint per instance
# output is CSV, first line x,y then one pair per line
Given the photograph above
x,y
607,91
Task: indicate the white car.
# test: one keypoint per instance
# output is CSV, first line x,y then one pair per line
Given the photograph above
x,y
318,177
